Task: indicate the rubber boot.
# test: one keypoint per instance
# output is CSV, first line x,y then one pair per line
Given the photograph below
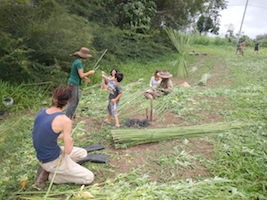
x,y
42,176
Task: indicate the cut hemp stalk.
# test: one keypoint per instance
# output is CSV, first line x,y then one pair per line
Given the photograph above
x,y
124,138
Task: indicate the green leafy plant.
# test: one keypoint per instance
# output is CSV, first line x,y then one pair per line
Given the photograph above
x,y
180,41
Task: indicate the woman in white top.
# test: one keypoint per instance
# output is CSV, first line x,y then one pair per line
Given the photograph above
x,y
155,80
154,83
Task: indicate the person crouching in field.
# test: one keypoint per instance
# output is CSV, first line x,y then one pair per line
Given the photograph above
x,y
164,88
51,125
115,93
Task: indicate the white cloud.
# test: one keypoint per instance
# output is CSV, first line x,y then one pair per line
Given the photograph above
x,y
255,21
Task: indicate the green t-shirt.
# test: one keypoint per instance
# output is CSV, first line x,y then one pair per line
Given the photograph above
x,y
74,75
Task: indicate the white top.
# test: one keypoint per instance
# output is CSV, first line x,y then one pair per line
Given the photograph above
x,y
153,82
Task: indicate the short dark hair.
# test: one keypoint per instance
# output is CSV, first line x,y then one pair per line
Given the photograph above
x,y
61,96
119,76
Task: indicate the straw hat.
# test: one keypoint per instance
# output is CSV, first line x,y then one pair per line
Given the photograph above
x,y
164,74
83,53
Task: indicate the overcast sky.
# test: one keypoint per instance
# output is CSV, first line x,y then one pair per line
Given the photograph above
x,y
255,21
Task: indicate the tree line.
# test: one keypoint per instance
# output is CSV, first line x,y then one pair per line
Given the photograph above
x,y
37,37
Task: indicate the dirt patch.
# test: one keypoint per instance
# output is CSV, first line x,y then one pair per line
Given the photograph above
x,y
130,158
149,157
3,114
145,157
218,74
92,124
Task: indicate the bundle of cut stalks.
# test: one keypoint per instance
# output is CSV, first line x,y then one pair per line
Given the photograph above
x,y
124,138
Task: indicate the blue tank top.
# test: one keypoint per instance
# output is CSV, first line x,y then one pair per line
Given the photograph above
x,y
44,138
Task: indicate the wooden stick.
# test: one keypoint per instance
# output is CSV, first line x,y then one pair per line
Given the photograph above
x,y
97,67
99,59
151,109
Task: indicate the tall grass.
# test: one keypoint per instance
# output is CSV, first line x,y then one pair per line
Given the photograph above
x,y
17,161
26,95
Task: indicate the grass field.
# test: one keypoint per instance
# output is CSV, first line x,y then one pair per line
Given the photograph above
x,y
228,165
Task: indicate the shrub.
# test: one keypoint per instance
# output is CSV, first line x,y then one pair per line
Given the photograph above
x,y
124,45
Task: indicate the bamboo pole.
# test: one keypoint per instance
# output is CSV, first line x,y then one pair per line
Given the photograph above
x,y
151,109
95,66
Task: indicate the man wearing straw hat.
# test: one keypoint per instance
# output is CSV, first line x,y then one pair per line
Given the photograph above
x,y
77,74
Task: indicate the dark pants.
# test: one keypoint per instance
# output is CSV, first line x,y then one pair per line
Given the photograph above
x,y
74,101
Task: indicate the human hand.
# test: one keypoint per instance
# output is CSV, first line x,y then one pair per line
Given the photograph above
x,y
87,80
91,71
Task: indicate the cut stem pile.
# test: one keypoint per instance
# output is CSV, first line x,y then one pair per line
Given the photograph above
x,y
124,138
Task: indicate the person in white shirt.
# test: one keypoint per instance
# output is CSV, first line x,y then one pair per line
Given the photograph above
x,y
155,80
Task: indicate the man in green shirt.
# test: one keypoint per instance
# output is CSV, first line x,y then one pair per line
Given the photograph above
x,y
77,74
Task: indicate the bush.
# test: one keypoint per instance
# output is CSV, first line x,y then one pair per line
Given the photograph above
x,y
220,41
125,45
23,99
200,40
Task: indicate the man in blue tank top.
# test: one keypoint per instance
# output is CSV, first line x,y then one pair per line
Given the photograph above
x,y
51,125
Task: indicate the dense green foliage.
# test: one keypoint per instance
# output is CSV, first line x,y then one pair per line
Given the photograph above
x,y
37,37
37,45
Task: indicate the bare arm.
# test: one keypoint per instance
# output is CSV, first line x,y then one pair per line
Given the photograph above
x,y
63,126
68,141
107,78
83,74
86,79
150,82
117,98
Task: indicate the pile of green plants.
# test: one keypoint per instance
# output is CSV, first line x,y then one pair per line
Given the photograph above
x,y
130,137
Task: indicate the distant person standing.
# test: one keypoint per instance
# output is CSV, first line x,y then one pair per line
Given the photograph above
x,y
241,47
257,47
77,74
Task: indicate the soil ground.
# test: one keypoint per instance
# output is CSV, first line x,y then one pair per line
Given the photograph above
x,y
125,160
